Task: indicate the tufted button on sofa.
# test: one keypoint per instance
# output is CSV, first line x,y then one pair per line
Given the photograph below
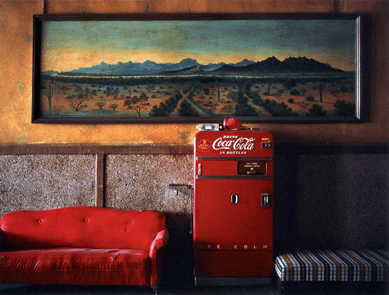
x,y
82,246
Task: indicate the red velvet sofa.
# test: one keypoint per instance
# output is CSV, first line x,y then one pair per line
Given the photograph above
x,y
82,246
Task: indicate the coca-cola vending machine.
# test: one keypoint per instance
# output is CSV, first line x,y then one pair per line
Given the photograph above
x,y
233,205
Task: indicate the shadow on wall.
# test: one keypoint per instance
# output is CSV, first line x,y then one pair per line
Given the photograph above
x,y
178,267
332,201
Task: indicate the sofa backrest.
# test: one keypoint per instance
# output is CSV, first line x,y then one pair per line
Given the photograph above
x,y
81,227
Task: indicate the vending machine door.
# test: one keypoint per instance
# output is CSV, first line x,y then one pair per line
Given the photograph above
x,y
232,214
233,205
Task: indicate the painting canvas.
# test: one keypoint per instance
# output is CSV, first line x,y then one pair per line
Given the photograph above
x,y
259,68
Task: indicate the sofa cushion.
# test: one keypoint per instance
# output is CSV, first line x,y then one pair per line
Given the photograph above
x,y
333,265
81,227
75,266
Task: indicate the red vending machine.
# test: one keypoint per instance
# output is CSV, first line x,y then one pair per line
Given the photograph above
x,y
233,211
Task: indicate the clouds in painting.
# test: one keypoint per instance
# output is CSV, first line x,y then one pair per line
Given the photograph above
x,y
73,44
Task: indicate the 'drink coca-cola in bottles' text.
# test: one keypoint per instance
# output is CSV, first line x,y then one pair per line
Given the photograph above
x,y
233,144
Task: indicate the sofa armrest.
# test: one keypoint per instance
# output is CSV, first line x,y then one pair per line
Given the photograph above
x,y
156,256
160,241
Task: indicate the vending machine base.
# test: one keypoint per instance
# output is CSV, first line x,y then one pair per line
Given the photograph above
x,y
232,281
233,268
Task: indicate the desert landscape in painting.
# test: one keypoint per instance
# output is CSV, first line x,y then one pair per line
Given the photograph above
x,y
294,87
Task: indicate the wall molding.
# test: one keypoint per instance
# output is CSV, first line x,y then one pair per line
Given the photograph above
x,y
331,148
38,149
281,148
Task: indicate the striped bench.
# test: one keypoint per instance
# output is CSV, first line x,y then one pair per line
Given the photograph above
x,y
309,267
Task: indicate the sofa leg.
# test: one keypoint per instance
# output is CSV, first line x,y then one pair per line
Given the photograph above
x,y
155,288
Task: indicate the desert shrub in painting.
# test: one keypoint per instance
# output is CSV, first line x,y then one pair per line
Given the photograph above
x,y
343,108
316,111
186,110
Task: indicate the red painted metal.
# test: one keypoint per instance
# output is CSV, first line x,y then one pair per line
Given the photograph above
x,y
232,227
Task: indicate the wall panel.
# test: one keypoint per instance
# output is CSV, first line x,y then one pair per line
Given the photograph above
x,y
37,182
141,181
343,201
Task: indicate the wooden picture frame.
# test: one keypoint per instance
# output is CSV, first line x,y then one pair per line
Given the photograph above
x,y
192,68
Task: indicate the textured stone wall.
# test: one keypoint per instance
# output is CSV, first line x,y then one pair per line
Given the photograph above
x,y
142,181
37,182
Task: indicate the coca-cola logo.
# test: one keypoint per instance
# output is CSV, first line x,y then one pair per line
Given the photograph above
x,y
238,144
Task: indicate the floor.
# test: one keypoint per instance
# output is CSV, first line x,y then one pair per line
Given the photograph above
x,y
94,290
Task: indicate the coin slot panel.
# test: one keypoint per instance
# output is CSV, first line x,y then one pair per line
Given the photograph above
x,y
252,167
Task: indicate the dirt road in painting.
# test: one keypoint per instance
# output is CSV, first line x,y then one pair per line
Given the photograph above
x,y
185,96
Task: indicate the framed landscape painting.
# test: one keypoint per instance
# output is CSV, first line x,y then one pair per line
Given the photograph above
x,y
197,68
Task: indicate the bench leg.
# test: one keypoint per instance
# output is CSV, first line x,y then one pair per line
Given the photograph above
x,y
155,288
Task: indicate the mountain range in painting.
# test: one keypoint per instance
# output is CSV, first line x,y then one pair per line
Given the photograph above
x,y
191,66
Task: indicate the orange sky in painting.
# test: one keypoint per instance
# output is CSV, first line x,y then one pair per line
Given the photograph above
x,y
71,45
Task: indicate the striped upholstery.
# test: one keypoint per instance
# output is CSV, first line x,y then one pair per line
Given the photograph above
x,y
333,265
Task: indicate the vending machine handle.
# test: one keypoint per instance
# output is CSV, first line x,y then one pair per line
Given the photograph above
x,y
234,199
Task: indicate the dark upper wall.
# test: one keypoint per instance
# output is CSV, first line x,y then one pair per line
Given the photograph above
x,y
16,73
330,200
